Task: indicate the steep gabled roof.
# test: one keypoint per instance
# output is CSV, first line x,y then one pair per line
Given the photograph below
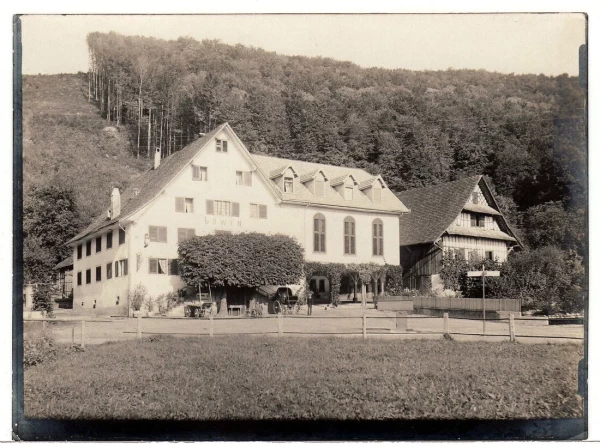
x,y
150,184
434,209
311,175
274,174
339,180
369,183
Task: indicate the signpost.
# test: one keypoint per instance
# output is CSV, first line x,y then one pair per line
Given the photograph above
x,y
483,274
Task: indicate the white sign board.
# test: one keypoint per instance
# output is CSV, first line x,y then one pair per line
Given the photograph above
x,y
480,273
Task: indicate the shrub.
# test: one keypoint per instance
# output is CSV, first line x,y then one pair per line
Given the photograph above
x,y
137,297
393,284
38,346
42,299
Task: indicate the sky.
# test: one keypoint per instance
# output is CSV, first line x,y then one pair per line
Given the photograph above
x,y
506,43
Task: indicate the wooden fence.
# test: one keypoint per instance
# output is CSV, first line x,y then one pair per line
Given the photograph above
x,y
463,303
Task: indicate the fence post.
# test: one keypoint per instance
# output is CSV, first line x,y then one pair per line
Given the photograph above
x,y
446,324
511,327
73,336
44,325
210,325
364,325
280,325
139,326
83,334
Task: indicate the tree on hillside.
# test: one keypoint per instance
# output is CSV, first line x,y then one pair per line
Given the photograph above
x,y
50,219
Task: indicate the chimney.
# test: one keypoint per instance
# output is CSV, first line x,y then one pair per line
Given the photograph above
x,y
157,158
115,203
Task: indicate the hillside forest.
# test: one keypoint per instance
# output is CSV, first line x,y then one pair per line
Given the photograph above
x,y
526,133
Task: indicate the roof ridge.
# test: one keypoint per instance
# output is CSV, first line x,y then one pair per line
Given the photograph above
x,y
430,187
312,163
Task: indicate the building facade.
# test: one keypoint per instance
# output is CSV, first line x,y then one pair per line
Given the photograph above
x,y
460,216
338,214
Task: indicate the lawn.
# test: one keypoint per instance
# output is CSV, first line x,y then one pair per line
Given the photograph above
x,y
241,377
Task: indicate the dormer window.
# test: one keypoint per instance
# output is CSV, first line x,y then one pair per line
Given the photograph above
x,y
288,184
221,145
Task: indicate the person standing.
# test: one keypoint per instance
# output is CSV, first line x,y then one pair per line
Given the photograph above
x,y
309,302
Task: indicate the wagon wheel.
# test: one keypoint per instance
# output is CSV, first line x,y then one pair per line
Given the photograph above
x,y
276,307
186,311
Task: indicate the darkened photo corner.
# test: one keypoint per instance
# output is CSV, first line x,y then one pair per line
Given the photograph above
x,y
300,227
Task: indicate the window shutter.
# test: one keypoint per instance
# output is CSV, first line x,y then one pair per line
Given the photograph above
x,y
473,221
125,267
262,211
210,207
181,235
323,240
235,209
247,176
173,267
224,145
162,234
195,172
152,265
179,205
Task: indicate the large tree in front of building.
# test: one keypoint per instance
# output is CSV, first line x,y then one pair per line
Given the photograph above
x,y
240,260
50,219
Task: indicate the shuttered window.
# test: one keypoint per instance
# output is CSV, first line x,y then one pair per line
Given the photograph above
x,y
184,205
377,237
88,248
79,252
98,273
79,278
88,276
349,236
243,178
184,234
163,266
222,208
108,271
157,234
174,267
98,244
109,237
253,210
199,173
221,145
121,268
262,211
319,233
121,236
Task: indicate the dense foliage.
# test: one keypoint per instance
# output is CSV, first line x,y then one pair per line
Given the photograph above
x,y
240,260
393,283
546,280
50,219
526,132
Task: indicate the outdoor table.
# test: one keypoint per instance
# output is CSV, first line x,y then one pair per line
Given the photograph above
x,y
239,309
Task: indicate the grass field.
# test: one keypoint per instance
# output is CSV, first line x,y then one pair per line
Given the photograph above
x,y
306,378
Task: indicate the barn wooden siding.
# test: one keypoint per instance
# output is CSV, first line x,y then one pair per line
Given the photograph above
x,y
477,245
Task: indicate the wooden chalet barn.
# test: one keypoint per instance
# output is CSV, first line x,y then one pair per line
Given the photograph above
x,y
461,215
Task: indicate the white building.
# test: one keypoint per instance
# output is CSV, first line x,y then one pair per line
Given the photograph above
x,y
338,214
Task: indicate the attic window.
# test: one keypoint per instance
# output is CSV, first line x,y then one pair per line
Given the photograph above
x,y
221,145
475,197
288,184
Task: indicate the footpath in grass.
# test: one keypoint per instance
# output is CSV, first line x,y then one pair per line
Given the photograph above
x,y
304,378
